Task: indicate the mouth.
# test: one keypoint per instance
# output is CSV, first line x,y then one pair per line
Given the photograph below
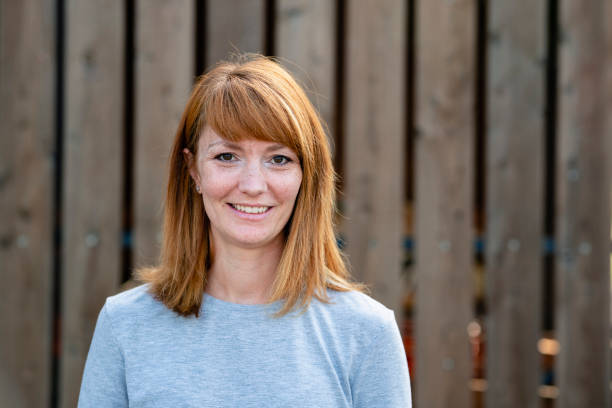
x,y
249,209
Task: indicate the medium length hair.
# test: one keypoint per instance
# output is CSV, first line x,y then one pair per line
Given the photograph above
x,y
252,98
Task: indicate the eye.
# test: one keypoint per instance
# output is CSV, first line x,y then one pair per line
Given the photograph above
x,y
279,159
225,157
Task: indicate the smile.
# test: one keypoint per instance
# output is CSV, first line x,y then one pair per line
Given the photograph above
x,y
250,209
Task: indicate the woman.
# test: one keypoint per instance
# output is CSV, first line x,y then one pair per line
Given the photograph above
x,y
251,305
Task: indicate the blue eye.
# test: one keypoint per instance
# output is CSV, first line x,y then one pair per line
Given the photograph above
x,y
225,157
280,159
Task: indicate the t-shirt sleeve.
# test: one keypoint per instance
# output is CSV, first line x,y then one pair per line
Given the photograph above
x,y
381,376
103,382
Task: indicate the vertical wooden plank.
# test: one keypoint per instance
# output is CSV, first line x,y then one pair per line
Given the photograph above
x,y
374,141
583,217
164,76
93,151
608,13
514,221
306,47
234,26
446,47
27,124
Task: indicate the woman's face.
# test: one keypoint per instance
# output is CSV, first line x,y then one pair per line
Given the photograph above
x,y
248,188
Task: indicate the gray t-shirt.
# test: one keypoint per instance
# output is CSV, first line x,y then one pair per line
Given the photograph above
x,y
345,354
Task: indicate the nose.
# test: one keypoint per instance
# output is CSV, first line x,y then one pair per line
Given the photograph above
x,y
252,180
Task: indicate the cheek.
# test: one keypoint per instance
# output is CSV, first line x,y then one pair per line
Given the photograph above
x,y
289,187
215,186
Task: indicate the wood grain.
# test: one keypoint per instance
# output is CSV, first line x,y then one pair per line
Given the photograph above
x,y
164,76
374,141
93,155
27,148
514,219
583,207
306,47
444,233
233,27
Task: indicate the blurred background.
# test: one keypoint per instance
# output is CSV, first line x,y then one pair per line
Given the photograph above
x,y
470,136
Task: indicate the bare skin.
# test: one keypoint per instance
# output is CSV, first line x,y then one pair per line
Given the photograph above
x,y
243,276
248,189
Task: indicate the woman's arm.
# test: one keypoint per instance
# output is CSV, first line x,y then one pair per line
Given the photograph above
x,y
103,382
381,378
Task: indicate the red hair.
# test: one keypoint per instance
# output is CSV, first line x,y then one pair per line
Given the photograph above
x,y
255,98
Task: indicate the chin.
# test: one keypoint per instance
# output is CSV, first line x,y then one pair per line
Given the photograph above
x,y
253,242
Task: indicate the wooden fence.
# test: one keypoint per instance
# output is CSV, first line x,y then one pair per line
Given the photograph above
x,y
470,135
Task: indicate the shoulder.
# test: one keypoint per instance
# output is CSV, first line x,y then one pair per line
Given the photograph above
x,y
357,310
353,324
377,365
357,301
133,306
359,305
134,298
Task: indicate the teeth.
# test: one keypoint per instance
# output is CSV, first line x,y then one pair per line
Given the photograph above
x,y
250,210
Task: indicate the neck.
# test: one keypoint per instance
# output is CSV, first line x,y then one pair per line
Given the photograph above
x,y
243,275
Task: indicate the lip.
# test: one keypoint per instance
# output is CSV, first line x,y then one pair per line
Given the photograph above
x,y
249,216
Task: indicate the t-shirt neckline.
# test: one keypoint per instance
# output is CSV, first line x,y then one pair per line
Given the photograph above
x,y
210,302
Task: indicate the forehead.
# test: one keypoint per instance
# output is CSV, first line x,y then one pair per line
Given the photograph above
x,y
211,139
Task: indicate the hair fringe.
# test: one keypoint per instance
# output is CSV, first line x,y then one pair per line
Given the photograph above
x,y
252,98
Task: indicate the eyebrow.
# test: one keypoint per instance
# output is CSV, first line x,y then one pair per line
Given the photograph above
x,y
276,146
223,142
273,147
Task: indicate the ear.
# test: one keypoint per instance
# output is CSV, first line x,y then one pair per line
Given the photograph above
x,y
191,165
